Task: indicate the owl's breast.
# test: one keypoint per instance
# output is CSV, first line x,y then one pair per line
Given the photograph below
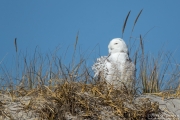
x,y
118,58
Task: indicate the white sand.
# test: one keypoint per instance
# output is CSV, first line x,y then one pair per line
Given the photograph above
x,y
170,106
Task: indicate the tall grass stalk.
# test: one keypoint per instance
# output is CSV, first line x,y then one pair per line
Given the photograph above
x,y
17,61
130,38
124,25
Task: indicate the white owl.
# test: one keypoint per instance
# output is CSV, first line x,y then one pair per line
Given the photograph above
x,y
116,68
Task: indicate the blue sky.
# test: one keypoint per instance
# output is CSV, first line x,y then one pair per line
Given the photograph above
x,y
48,24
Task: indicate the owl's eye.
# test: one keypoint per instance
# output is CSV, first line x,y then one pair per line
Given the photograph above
x,y
116,43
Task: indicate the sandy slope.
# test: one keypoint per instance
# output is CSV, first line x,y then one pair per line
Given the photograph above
x,y
170,108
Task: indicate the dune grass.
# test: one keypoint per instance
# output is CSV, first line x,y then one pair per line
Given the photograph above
x,y
54,90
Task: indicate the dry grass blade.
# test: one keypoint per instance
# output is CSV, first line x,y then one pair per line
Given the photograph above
x,y
137,19
15,43
77,37
74,52
133,30
3,58
142,45
124,26
135,58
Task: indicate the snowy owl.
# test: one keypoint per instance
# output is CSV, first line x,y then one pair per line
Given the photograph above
x,y
117,68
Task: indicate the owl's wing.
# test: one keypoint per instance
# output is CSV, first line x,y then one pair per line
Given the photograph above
x,y
99,65
128,73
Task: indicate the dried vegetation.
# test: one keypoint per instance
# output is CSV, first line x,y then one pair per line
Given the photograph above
x,y
78,101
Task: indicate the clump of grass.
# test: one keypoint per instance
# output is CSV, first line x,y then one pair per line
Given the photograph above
x,y
91,101
151,71
157,74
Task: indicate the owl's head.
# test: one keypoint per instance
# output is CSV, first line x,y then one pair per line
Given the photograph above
x,y
117,45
